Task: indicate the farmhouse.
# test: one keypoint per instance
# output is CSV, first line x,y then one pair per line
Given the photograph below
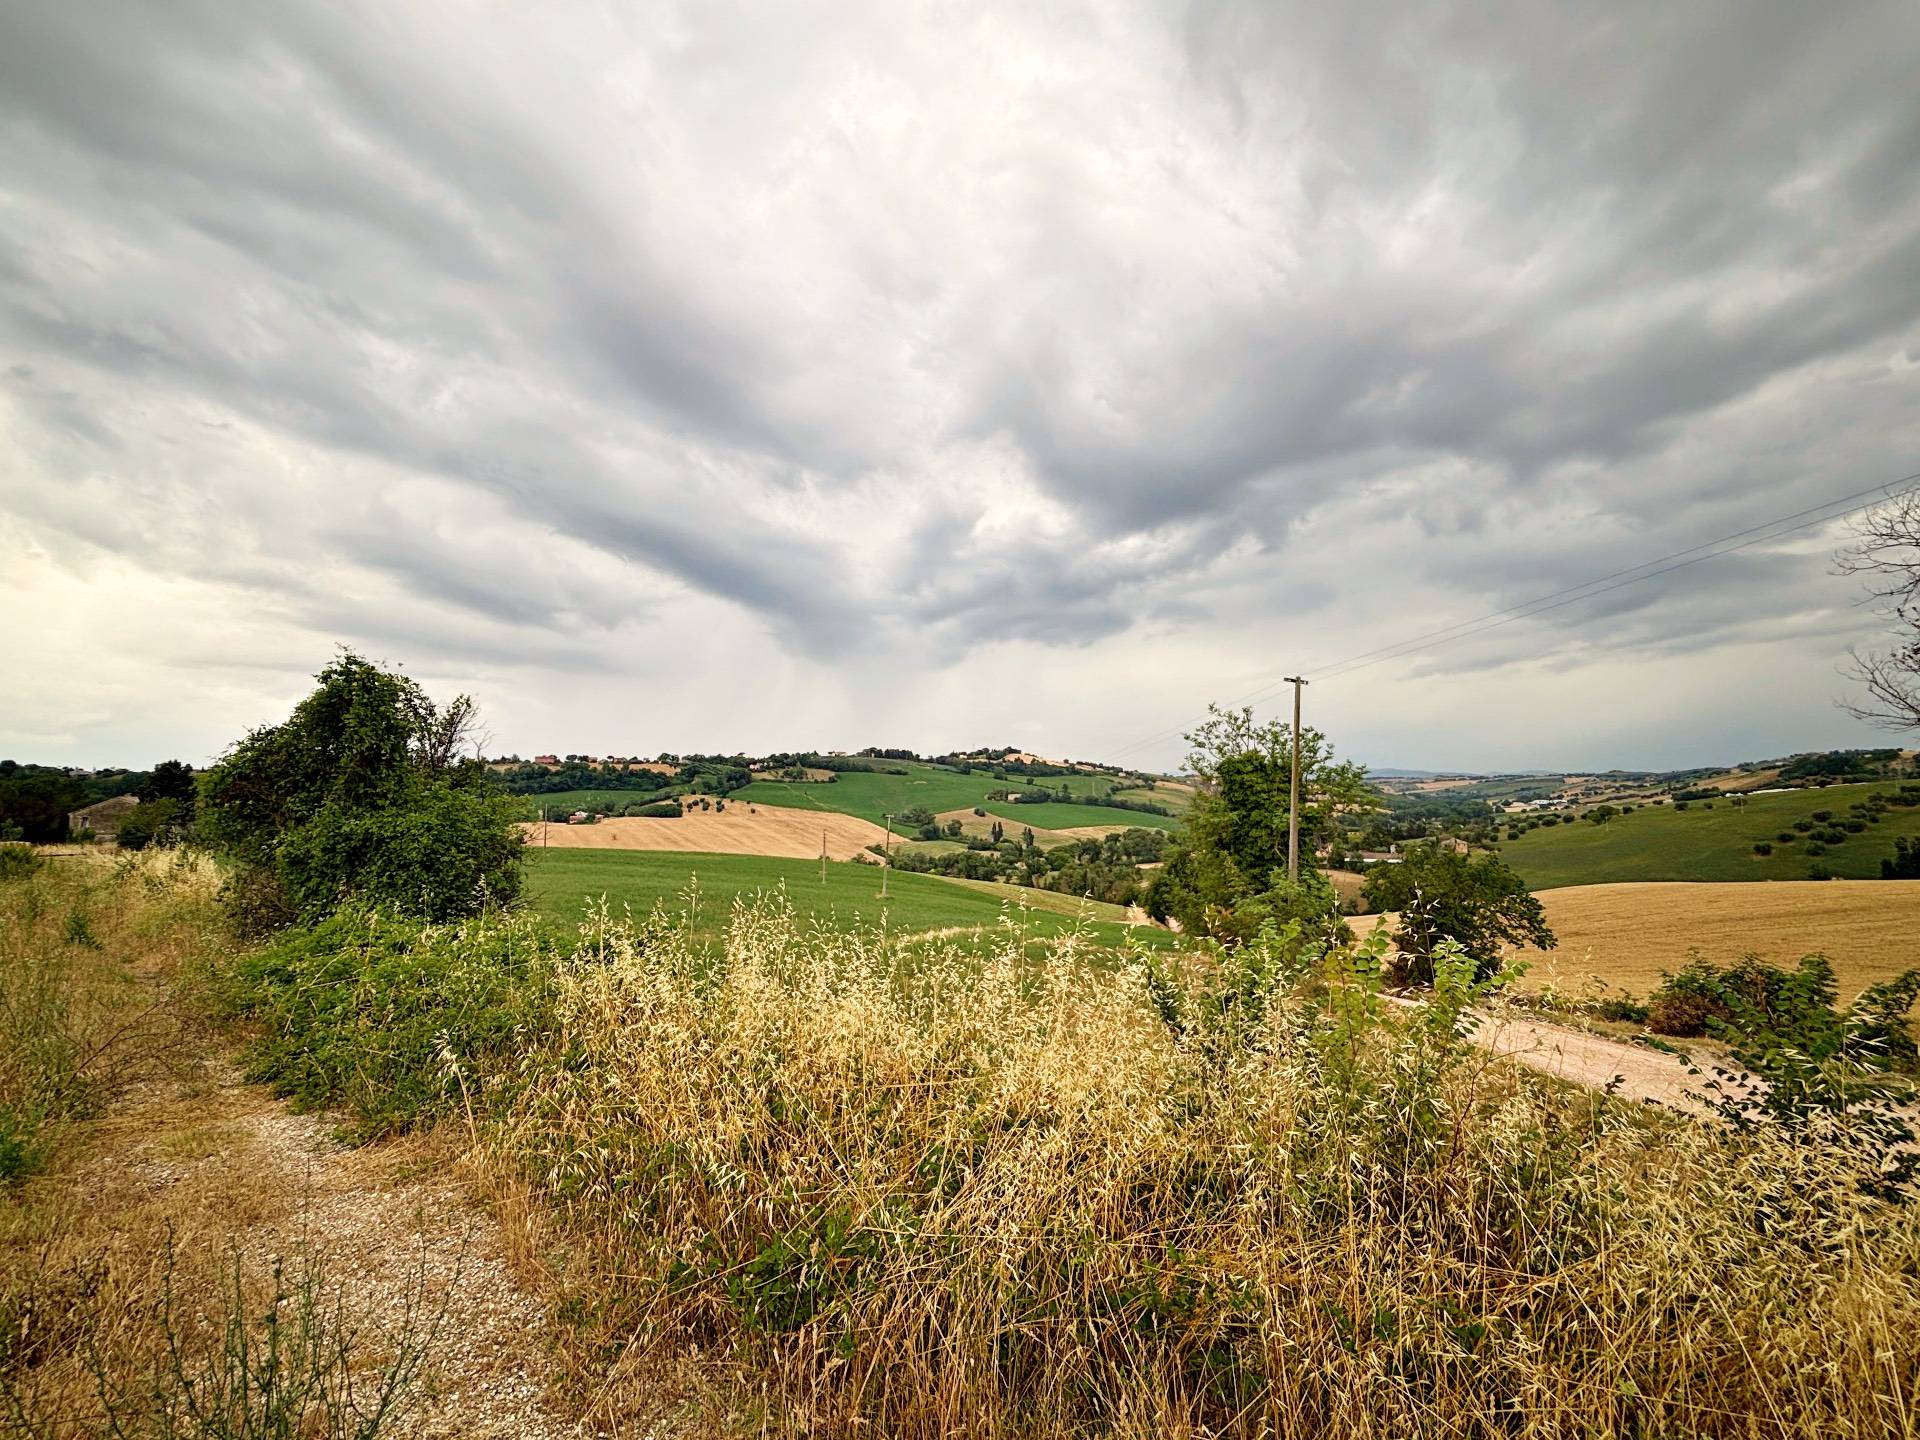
x,y
104,818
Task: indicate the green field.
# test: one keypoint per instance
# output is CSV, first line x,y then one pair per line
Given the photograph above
x,y
1067,817
872,796
564,802
1177,799
562,882
1660,843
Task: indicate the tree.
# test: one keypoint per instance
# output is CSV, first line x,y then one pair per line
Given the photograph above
x,y
1905,864
35,802
170,780
1441,894
357,796
159,819
1235,845
1887,552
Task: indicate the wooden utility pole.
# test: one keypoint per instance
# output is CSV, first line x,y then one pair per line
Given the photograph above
x,y
886,863
1293,801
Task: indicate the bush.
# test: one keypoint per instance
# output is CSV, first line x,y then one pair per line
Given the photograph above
x,y
1905,862
17,860
1819,872
1763,847
398,1022
1815,848
360,796
1787,837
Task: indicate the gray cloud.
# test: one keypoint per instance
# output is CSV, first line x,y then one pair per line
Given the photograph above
x,y
905,334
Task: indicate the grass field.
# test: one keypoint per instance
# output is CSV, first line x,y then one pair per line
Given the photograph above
x,y
562,883
1660,843
871,796
1068,817
1627,935
564,802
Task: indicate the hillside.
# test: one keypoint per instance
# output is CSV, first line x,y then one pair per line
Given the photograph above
x,y
872,795
1714,840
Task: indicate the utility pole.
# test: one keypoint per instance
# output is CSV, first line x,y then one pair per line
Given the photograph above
x,y
1293,803
886,864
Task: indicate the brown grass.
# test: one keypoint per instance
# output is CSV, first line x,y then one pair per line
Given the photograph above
x,y
967,1197
1625,935
737,830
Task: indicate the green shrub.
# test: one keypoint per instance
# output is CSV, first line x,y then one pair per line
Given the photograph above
x,y
361,796
397,1021
1905,861
1763,847
1819,872
17,860
1786,837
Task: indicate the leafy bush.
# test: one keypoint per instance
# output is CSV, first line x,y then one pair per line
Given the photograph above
x,y
1763,847
396,1021
1905,862
151,821
17,860
1752,1003
1819,872
361,796
1440,894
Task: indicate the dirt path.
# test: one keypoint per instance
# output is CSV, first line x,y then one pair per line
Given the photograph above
x,y
1634,1071
220,1163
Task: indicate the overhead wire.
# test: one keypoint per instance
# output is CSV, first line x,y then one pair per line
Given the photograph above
x,y
1772,529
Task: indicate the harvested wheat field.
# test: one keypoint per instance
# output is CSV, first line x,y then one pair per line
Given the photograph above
x,y
736,830
1627,934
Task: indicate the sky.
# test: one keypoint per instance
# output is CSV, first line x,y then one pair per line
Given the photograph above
x,y
721,377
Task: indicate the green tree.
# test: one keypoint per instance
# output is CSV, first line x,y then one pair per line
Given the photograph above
x,y
1235,843
1442,894
162,819
362,793
171,780
1905,864
35,802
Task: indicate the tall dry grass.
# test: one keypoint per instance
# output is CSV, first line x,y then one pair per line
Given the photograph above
x,y
941,1192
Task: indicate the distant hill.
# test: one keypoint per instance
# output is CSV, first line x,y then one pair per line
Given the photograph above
x,y
1847,833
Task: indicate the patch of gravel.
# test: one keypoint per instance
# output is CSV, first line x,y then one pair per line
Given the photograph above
x,y
402,1247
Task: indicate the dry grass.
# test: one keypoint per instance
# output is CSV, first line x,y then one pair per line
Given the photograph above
x,y
176,1202
1626,935
740,829
972,1197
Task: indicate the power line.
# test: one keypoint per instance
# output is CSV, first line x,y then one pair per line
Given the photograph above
x,y
1586,590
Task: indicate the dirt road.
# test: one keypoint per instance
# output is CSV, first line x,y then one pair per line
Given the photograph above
x,y
1635,1072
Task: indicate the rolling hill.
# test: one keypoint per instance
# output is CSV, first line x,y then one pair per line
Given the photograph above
x,y
1714,840
872,795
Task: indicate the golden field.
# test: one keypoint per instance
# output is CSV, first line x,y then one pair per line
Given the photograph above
x,y
1626,935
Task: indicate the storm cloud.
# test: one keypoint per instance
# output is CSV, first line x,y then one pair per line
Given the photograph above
x,y
687,376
